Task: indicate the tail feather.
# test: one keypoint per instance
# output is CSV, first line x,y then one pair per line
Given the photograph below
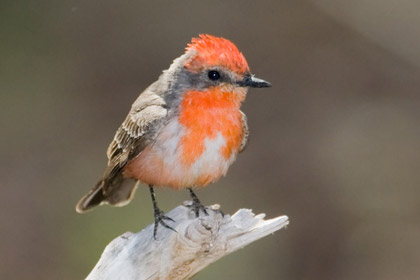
x,y
93,198
119,192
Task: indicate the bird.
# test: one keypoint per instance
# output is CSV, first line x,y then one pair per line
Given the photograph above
x,y
183,131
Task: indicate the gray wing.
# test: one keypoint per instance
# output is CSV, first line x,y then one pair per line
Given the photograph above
x,y
245,132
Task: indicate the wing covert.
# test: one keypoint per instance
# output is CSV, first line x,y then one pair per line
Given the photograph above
x,y
130,134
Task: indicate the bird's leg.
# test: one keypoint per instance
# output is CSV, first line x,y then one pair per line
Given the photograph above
x,y
159,215
196,205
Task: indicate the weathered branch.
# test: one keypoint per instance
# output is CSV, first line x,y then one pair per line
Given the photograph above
x,y
197,243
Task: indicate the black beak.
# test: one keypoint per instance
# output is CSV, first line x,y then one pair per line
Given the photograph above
x,y
252,81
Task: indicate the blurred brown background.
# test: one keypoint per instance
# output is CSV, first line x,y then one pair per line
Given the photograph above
x,y
335,143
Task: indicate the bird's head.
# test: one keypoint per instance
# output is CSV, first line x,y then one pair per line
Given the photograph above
x,y
213,64
218,62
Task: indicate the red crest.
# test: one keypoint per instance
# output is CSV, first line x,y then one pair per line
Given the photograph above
x,y
215,51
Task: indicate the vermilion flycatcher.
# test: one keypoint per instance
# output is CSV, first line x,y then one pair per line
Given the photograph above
x,y
183,131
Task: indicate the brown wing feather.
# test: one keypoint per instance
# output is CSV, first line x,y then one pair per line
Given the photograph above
x,y
132,136
143,121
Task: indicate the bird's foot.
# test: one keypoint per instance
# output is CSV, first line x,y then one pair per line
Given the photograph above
x,y
160,218
196,206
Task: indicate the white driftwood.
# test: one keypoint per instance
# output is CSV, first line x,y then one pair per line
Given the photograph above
x,y
197,243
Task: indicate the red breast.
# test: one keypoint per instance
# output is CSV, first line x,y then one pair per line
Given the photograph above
x,y
205,114
198,146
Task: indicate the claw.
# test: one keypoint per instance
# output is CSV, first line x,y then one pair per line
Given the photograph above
x,y
168,218
159,219
218,212
196,207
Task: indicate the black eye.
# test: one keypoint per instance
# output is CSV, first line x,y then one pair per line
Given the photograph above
x,y
213,75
